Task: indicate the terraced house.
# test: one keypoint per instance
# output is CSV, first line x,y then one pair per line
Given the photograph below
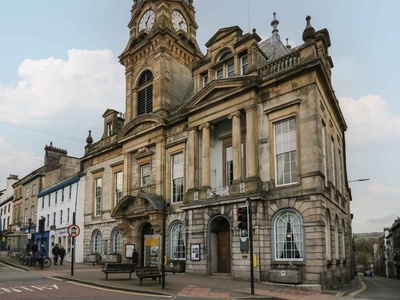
x,y
204,133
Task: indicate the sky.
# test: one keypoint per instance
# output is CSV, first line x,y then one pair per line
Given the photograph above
x,y
59,72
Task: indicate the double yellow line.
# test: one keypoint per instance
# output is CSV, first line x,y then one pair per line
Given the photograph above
x,y
362,288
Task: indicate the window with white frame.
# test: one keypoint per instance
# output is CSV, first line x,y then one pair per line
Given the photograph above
x,y
98,184
116,241
48,221
96,241
285,152
62,195
55,197
145,175
25,215
70,192
27,193
177,241
205,80
118,186
219,73
288,235
230,70
68,214
49,201
42,202
61,216
34,190
177,177
54,218
244,65
109,129
228,166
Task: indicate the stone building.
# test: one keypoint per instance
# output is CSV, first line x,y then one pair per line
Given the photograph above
x,y
57,167
203,134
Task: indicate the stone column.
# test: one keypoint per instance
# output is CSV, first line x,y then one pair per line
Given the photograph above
x,y
251,142
160,167
206,154
236,147
193,153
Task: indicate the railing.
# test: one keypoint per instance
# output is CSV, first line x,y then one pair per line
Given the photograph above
x,y
280,64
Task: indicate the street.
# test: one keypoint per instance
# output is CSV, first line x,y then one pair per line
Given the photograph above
x,y
378,288
19,284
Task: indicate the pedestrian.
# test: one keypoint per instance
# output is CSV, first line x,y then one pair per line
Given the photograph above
x,y
56,252
135,257
62,254
34,249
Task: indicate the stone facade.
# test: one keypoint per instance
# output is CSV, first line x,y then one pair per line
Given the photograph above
x,y
203,134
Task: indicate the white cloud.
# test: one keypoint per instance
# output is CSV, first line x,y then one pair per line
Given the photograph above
x,y
63,98
51,91
369,119
383,190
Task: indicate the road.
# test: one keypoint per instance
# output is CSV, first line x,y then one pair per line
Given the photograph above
x,y
379,288
18,284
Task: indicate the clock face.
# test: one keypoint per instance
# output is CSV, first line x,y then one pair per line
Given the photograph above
x,y
178,20
147,20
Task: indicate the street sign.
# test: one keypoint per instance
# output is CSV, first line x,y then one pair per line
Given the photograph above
x,y
73,230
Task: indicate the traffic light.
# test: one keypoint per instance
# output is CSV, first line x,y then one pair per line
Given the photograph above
x,y
242,218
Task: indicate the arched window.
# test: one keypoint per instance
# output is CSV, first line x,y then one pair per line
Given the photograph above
x,y
288,235
328,236
336,238
145,93
116,245
177,241
96,241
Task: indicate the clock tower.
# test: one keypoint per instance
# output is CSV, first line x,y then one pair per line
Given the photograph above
x,y
159,56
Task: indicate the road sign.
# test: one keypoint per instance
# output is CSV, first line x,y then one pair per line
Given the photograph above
x,y
73,230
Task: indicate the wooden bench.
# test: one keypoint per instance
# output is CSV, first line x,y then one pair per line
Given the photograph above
x,y
148,272
119,268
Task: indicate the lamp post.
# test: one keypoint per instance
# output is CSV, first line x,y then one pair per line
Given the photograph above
x,y
362,179
29,234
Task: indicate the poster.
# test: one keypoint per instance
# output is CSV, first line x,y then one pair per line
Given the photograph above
x,y
195,252
128,250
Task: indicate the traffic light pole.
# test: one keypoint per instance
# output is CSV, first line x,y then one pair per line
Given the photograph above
x,y
249,209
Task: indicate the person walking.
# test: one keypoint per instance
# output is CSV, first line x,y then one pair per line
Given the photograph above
x,y
34,249
135,257
56,252
62,254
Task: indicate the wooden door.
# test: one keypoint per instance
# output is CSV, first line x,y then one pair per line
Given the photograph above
x,y
224,255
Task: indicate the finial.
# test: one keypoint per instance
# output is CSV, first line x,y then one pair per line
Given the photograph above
x,y
309,31
287,44
89,139
275,30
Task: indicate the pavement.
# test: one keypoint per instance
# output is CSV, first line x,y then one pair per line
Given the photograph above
x,y
186,285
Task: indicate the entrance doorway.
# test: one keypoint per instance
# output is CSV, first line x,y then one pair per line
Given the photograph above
x,y
220,244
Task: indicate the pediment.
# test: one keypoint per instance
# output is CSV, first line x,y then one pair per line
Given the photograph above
x,y
140,125
222,33
137,206
221,90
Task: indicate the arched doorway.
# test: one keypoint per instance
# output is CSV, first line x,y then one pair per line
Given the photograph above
x,y
220,245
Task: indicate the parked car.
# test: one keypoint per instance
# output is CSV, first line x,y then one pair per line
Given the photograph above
x,y
368,273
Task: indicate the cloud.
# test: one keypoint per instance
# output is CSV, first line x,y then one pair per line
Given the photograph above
x,y
56,100
54,91
369,119
383,190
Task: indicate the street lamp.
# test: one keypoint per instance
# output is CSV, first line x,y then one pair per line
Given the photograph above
x,y
362,179
29,234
